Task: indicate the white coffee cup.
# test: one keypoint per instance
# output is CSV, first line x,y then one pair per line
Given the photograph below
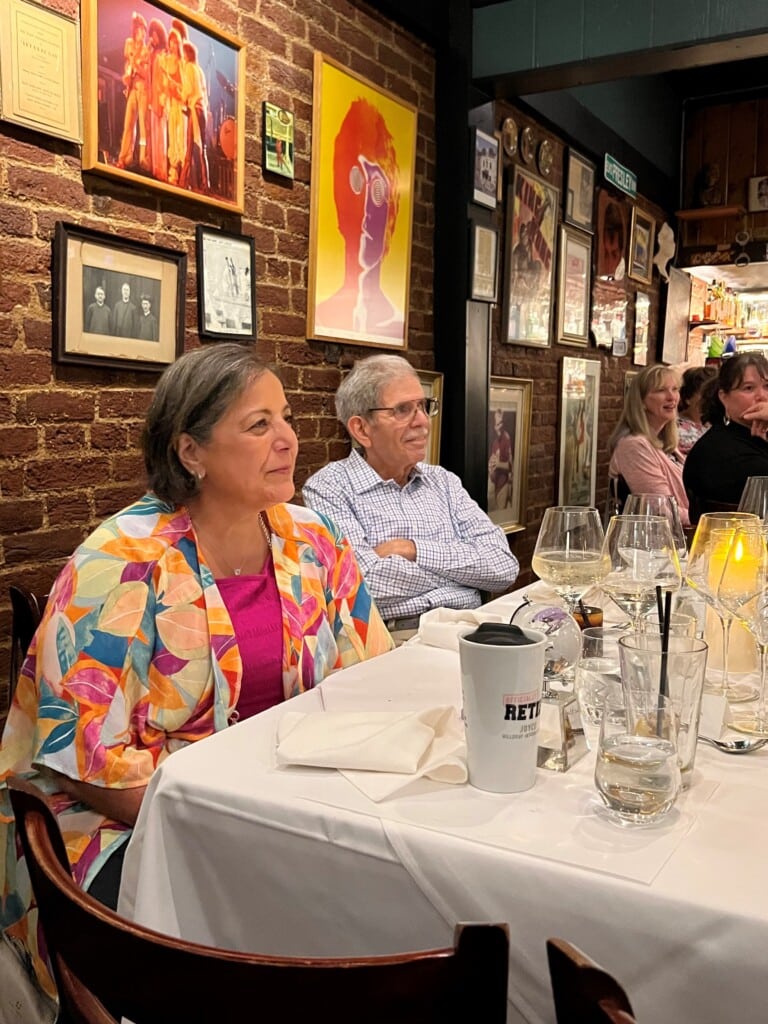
x,y
501,687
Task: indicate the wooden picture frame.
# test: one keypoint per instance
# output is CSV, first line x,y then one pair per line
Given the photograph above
x,y
278,146
532,206
574,286
579,192
611,255
432,382
363,158
510,402
137,322
483,286
642,328
485,168
579,408
193,139
641,240
40,83
757,194
226,284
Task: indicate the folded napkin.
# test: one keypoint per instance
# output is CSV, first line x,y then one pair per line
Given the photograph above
x,y
441,626
380,752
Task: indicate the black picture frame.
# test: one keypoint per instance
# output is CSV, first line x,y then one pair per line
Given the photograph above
x,y
579,207
226,285
485,168
93,330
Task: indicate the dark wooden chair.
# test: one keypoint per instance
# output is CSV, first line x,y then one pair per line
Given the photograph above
x,y
27,610
618,492
584,993
101,959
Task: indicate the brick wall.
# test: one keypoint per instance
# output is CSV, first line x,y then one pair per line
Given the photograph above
x,y
69,436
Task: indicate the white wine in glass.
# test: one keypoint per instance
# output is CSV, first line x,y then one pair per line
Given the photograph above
x,y
568,552
641,555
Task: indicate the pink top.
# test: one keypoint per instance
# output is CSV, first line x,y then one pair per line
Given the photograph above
x,y
253,603
649,470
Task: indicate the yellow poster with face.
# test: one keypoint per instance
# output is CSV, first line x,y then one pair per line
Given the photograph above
x,y
363,164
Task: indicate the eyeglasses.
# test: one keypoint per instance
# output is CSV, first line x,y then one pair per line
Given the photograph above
x,y
404,411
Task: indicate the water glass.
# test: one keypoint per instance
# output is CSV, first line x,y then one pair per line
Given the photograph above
x,y
636,772
597,674
680,624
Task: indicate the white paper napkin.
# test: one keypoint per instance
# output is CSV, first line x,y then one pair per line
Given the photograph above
x,y
441,627
380,752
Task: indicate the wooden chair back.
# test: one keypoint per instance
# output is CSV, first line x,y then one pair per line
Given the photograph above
x,y
100,958
27,610
584,993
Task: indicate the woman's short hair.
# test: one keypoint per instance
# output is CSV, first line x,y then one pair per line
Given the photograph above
x,y
634,419
694,379
191,396
361,389
731,375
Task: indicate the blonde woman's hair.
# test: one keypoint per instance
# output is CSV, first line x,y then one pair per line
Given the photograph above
x,y
634,419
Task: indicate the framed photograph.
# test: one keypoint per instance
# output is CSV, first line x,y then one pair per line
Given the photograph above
x,y
226,284
485,168
579,191
485,245
574,286
641,241
509,437
579,406
757,194
531,224
164,100
677,315
609,315
611,237
277,135
40,69
642,325
116,303
432,382
363,165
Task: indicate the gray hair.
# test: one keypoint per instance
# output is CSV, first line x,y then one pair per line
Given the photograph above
x,y
191,396
361,389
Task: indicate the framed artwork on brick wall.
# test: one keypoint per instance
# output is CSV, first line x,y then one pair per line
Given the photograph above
x,y
164,100
579,406
116,303
226,284
363,167
510,401
432,382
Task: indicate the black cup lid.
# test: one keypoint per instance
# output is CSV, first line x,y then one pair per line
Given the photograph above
x,y
502,634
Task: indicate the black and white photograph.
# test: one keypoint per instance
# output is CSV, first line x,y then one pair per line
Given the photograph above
x,y
226,290
485,169
757,194
119,304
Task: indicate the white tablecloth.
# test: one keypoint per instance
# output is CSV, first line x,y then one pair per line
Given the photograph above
x,y
231,850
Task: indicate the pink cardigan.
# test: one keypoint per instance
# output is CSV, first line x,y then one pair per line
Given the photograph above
x,y
648,470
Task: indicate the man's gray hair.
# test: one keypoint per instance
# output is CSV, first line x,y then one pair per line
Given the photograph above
x,y
361,389
191,396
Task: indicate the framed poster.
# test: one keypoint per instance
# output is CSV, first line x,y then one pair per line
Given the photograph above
x,y
574,287
432,382
510,401
483,284
164,100
611,237
677,315
116,303
226,284
361,210
278,142
531,224
757,194
40,69
641,241
485,168
642,325
609,315
579,191
579,406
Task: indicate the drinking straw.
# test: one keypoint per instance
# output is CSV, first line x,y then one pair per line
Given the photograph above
x,y
660,608
663,680
584,612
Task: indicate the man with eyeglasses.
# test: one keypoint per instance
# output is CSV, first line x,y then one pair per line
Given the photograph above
x,y
419,538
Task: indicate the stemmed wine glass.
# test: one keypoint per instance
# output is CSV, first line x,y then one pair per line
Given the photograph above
x,y
568,552
743,591
642,556
706,559
754,498
663,505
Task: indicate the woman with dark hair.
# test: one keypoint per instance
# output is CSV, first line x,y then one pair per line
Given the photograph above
x,y
690,425
719,463
207,601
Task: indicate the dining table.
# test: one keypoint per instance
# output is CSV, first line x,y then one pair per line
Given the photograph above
x,y
237,851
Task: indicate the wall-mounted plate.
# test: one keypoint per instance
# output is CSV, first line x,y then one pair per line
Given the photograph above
x,y
526,144
509,136
546,158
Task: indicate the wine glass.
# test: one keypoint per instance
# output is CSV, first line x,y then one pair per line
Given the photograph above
x,y
660,505
706,559
642,556
754,498
568,552
743,591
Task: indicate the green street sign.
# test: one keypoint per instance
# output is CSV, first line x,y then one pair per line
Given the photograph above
x,y
620,176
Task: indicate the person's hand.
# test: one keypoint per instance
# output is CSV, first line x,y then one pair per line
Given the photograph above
x,y
397,546
757,416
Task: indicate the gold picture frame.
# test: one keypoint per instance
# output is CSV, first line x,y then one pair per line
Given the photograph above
x,y
363,168
510,404
641,239
432,382
40,69
579,409
574,286
186,137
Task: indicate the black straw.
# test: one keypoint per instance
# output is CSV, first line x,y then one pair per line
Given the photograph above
x,y
584,612
663,679
660,608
